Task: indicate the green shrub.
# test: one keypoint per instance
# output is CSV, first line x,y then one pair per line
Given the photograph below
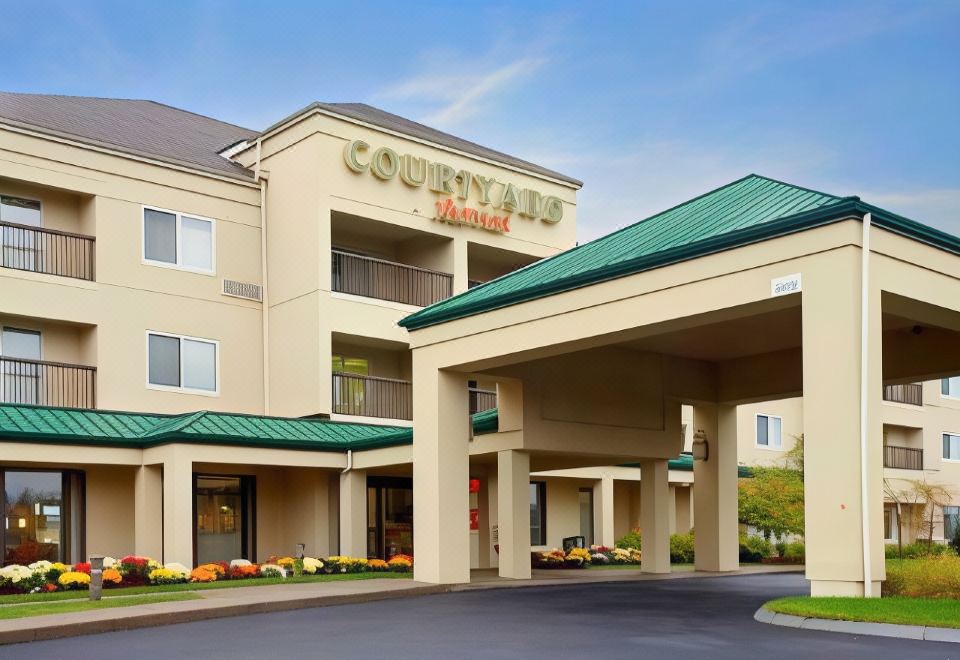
x,y
754,548
931,577
681,548
630,540
795,552
916,550
955,541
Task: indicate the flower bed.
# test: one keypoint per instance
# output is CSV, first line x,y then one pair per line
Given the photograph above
x,y
597,555
136,571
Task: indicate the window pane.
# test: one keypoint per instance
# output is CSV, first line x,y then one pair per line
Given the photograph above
x,y
23,344
951,516
199,365
955,446
537,531
160,236
20,211
164,358
775,437
32,502
950,386
762,431
196,243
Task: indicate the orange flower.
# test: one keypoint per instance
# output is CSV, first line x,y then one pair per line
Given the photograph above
x,y
112,575
203,574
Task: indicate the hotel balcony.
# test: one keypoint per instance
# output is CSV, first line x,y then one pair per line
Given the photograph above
x,y
372,396
903,458
481,400
909,393
370,277
43,383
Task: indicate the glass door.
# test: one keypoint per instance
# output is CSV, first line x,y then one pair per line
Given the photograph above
x,y
33,520
223,518
20,381
390,517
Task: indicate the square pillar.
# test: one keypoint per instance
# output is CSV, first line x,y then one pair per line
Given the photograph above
x,y
654,516
441,472
716,544
833,493
603,517
484,544
148,511
353,513
672,509
493,523
513,500
178,501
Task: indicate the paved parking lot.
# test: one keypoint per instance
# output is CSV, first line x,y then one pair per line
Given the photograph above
x,y
688,618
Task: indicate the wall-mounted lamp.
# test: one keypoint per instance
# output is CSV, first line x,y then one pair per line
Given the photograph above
x,y
701,448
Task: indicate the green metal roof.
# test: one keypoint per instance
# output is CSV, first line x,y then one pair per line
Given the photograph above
x,y
25,423
749,210
684,463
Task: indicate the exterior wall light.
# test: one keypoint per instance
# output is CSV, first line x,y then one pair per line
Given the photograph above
x,y
701,448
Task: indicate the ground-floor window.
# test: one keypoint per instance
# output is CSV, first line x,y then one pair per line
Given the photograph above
x,y
951,520
389,517
890,530
538,513
769,432
43,516
224,514
951,446
586,515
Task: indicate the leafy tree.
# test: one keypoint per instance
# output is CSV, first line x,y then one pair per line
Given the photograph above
x,y
772,499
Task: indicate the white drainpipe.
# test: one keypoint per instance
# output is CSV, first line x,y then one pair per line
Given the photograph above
x,y
349,462
864,405
261,178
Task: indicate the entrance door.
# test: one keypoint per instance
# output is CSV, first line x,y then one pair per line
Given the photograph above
x,y
224,525
390,517
19,379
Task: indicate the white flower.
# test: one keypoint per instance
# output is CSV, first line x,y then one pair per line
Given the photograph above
x,y
108,562
41,566
239,562
15,572
177,568
273,567
311,565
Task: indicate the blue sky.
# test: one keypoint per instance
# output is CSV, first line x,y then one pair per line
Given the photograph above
x,y
648,103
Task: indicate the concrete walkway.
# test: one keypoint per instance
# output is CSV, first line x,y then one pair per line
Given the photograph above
x,y
234,601
928,633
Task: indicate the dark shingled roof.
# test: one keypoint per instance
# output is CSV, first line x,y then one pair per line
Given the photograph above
x,y
138,127
383,119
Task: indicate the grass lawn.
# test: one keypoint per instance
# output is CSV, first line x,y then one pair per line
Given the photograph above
x,y
196,586
22,610
940,612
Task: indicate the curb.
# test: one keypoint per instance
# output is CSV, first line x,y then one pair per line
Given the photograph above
x,y
899,631
52,630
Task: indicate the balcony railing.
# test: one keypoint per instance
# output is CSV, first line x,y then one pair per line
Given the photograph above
x,y
911,393
386,280
47,383
371,396
46,251
904,458
481,400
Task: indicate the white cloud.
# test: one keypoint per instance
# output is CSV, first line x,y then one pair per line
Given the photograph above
x,y
937,207
460,97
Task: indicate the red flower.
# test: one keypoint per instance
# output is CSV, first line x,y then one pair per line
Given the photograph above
x,y
82,567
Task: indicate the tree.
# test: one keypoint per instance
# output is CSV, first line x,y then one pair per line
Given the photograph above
x,y
771,500
919,502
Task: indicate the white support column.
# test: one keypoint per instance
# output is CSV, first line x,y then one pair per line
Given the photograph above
x,y
148,511
603,511
493,506
716,543
654,516
353,513
513,499
483,522
441,516
178,520
672,509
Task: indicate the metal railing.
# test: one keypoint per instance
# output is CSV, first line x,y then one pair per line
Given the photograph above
x,y
46,251
372,396
481,400
904,458
386,280
47,383
911,393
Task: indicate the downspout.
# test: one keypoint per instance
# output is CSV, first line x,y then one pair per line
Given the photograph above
x,y
261,178
349,462
864,404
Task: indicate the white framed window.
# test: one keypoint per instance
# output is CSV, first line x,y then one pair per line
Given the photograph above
x,y
183,364
20,381
890,528
950,387
177,240
18,246
769,432
951,446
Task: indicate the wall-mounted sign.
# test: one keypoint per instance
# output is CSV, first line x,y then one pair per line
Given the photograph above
x,y
782,286
502,198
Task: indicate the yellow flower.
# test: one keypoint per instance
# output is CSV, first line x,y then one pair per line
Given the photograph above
x,y
73,579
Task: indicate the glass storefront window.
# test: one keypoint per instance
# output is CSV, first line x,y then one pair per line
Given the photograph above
x,y
389,517
33,516
223,518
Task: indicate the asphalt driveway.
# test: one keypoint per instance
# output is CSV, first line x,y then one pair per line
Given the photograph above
x,y
702,618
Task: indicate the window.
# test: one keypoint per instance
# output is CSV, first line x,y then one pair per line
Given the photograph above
x,y
183,363
18,246
19,381
586,515
769,432
20,211
950,387
42,513
538,513
951,520
223,506
951,446
890,531
178,240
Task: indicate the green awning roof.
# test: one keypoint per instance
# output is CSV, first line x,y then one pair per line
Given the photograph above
x,y
749,210
25,423
684,463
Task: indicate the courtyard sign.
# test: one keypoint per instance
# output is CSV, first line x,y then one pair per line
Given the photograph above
x,y
415,171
